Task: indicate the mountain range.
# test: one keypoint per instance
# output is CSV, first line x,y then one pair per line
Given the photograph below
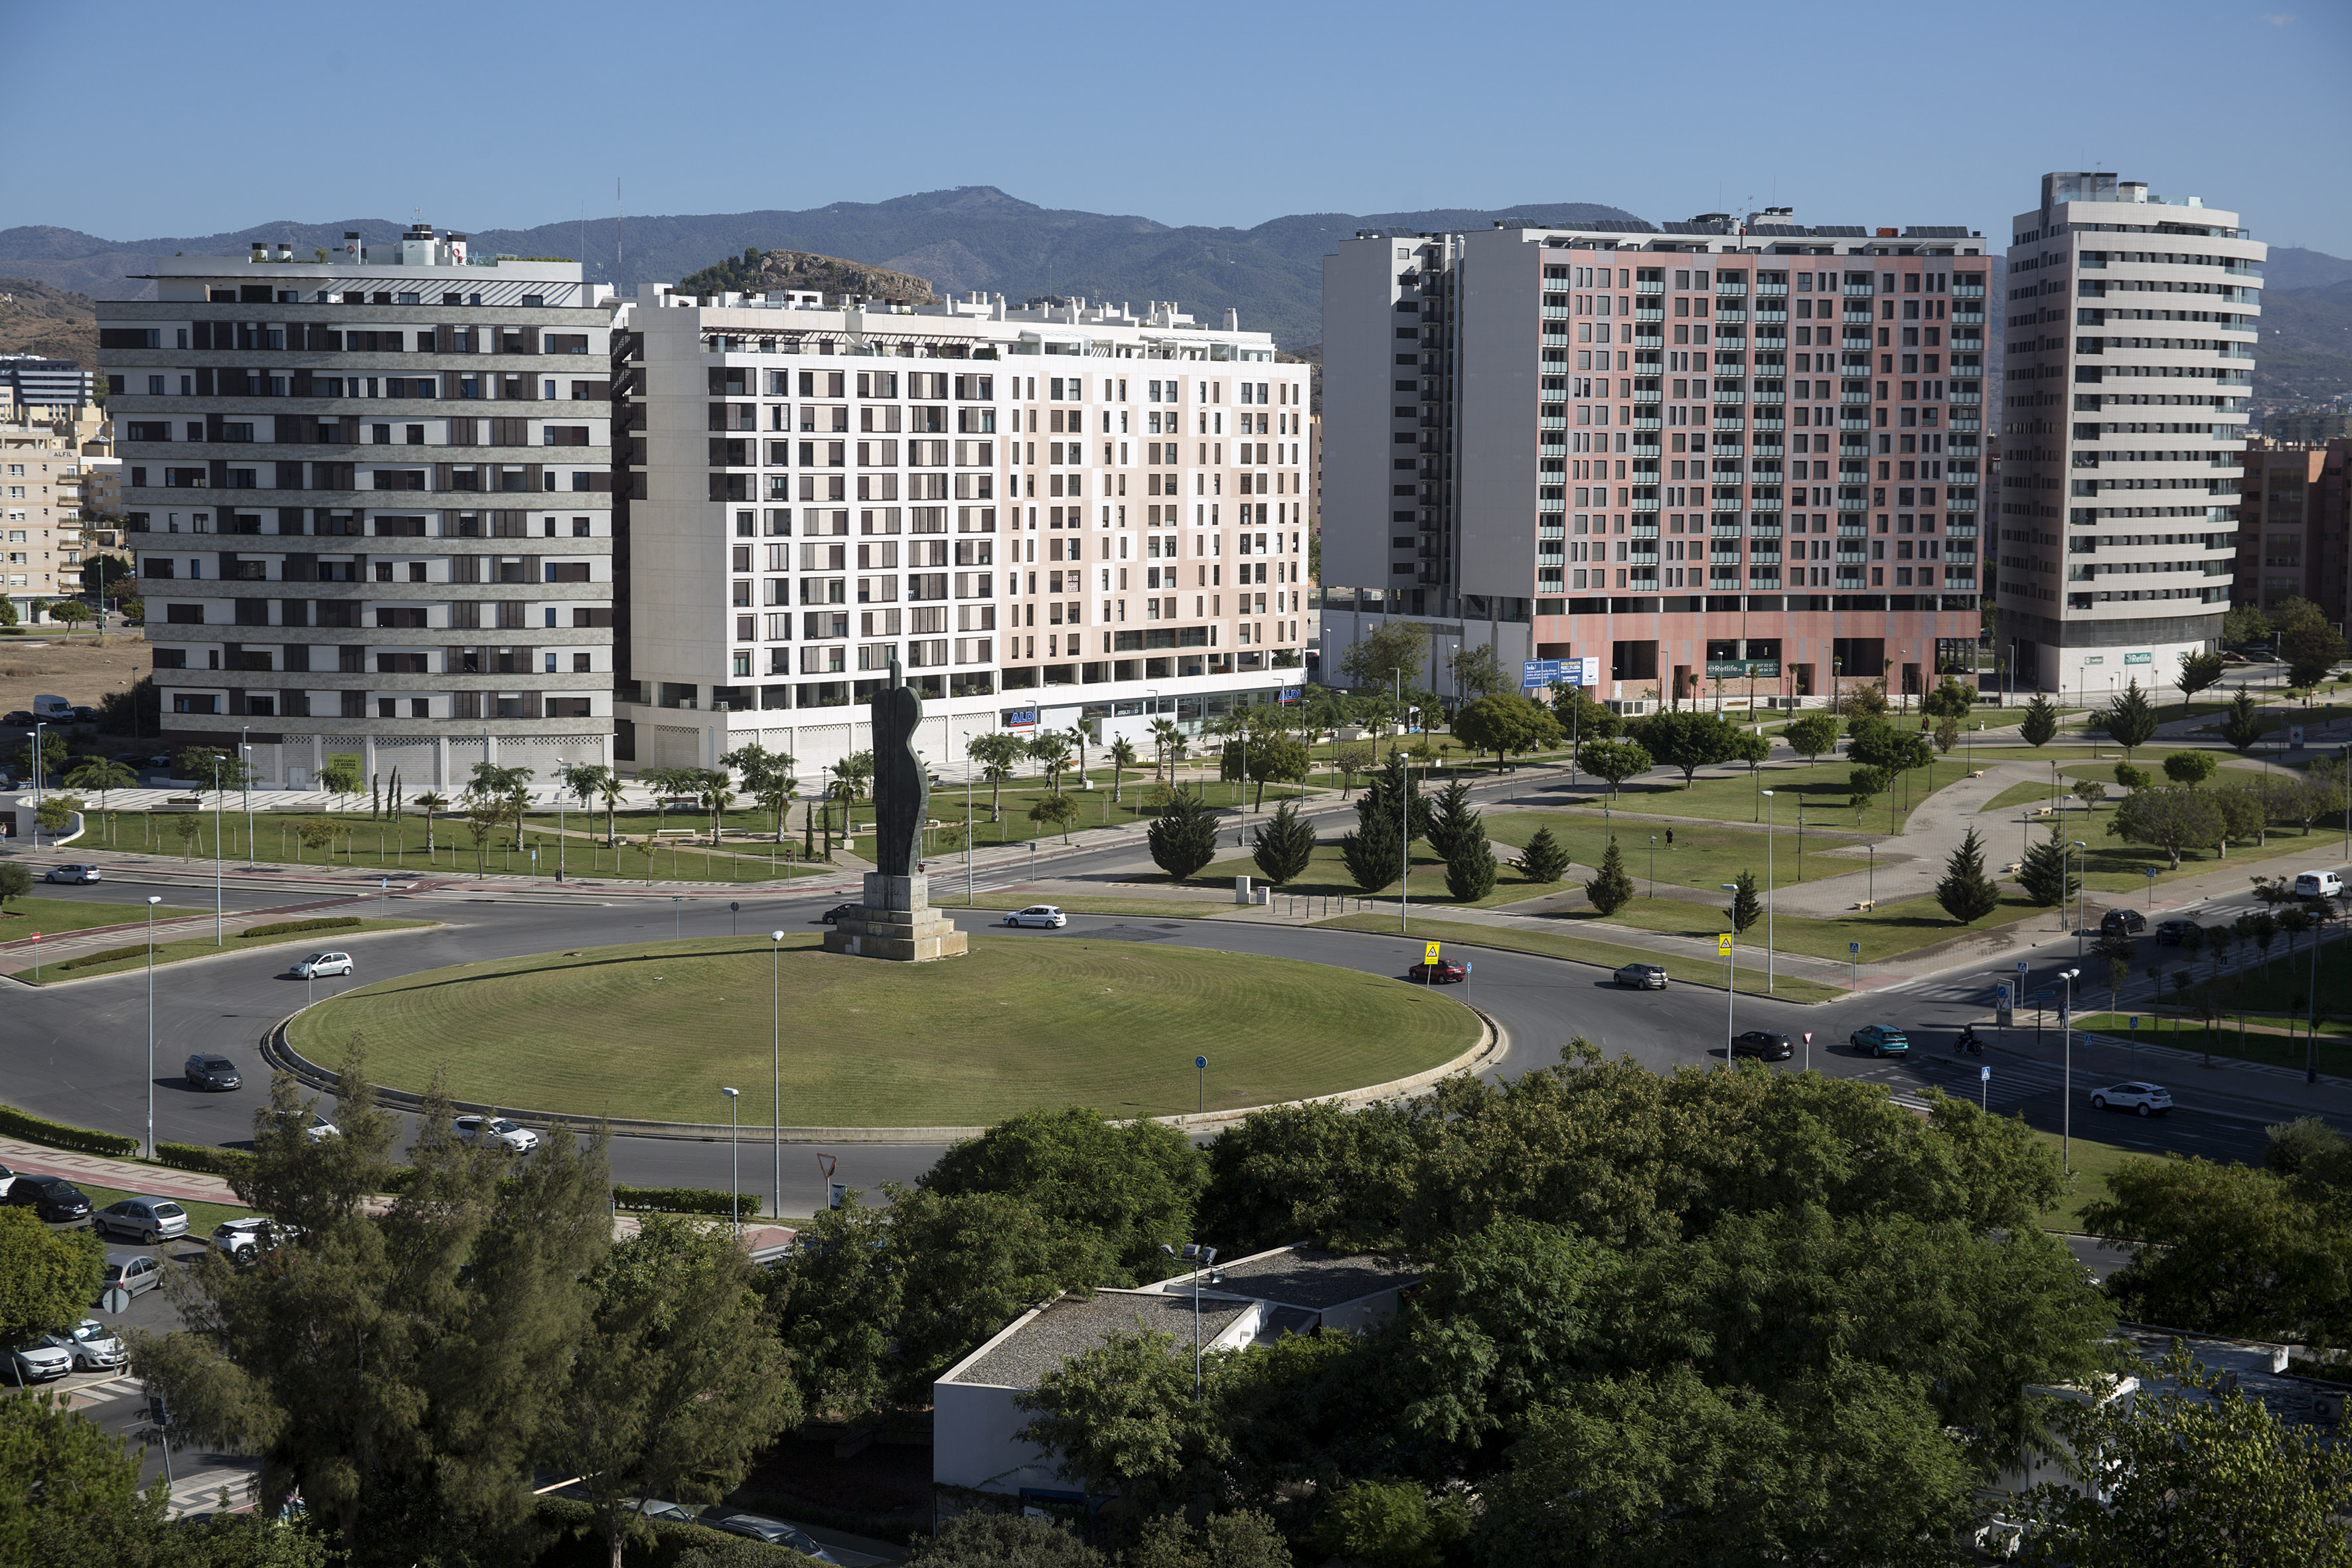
x,y
978,237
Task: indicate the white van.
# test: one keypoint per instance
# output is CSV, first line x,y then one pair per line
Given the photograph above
x,y
47,709
2318,885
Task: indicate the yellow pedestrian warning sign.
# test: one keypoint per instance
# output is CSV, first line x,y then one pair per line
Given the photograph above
x,y
1430,956
1723,942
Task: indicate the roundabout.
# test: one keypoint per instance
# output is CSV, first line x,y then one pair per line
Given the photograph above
x,y
652,1032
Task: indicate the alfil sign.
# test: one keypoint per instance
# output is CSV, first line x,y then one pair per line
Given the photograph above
x,y
1543,674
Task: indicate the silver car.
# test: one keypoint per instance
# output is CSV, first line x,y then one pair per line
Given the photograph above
x,y
145,1220
93,1346
73,873
1044,915
497,1132
2148,1099
319,965
132,1272
775,1532
40,1362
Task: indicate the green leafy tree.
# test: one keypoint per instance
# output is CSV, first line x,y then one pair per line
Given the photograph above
x,y
71,1489
2244,624
2129,778
1275,758
340,776
1285,845
1952,698
1477,671
1543,860
2242,724
1120,1421
2047,876
1611,889
16,880
1055,810
985,1539
2090,791
1470,871
2188,1470
46,1277
2198,671
1746,908
1966,893
103,774
1391,1524
2169,818
1614,762
2130,719
1382,656
1242,1539
53,755
1183,837
1864,785
1688,740
1582,719
1124,1189
69,614
1812,735
2041,722
2190,767
678,1381
2310,646
1504,722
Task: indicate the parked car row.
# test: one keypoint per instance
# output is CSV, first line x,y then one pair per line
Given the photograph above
x,y
752,1526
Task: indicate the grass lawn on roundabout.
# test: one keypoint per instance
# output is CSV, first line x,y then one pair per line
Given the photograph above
x,y
652,1031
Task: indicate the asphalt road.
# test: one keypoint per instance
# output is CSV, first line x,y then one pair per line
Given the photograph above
x,y
77,1053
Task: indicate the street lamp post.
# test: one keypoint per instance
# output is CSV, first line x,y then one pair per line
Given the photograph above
x,y
776,1051
219,938
676,918
2082,871
735,1140
1730,981
1405,828
1768,890
1654,865
245,785
152,899
1200,1257
2067,1027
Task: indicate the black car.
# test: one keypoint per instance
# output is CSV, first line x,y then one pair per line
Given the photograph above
x,y
21,719
1763,1045
205,1070
2174,933
2125,922
839,911
51,1198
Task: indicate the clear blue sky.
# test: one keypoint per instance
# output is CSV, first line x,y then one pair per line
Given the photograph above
x,y
193,121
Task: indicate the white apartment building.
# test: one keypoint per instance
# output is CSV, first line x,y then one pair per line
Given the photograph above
x,y
1053,516
41,478
2131,324
370,501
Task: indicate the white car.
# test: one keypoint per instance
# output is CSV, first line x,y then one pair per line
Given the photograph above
x,y
73,873
41,1360
93,1346
497,1132
145,1220
2148,1099
247,1239
1044,915
321,965
321,1128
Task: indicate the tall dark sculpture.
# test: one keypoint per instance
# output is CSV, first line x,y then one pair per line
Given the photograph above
x,y
895,920
902,788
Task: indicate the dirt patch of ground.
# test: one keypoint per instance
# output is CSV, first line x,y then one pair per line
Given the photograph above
x,y
79,668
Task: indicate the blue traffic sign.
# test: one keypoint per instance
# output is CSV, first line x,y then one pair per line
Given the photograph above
x,y
1855,948
1984,1075
1200,1061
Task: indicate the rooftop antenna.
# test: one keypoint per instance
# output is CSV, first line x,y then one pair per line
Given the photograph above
x,y
616,232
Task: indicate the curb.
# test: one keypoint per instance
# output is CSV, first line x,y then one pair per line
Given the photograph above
x,y
1493,1044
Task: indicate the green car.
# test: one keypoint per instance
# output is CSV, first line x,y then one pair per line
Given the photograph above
x,y
1881,1040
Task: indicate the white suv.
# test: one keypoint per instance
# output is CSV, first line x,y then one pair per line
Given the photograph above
x,y
498,1132
2148,1099
321,965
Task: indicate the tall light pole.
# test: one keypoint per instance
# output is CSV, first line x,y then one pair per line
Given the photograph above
x,y
1768,889
1405,825
152,899
735,1138
245,785
2067,1027
1730,980
776,1049
38,773
2082,871
676,918
218,803
1200,1257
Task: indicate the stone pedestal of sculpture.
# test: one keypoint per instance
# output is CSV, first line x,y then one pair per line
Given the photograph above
x,y
895,920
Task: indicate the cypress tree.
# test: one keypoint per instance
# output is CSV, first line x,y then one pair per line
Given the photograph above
x,y
1454,822
1380,794
1284,845
1373,853
1612,889
1746,908
1543,859
1966,893
2047,876
2041,722
1470,869
1184,836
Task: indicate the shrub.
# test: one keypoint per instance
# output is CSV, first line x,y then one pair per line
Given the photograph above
x,y
33,1129
106,956
286,928
681,1200
229,1163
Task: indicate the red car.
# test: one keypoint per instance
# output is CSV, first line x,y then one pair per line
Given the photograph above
x,y
1445,972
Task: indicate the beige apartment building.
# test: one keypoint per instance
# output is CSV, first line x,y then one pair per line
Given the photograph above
x,y
1046,517
42,472
2131,324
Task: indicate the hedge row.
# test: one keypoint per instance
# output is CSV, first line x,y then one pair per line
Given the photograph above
x,y
15,1123
682,1200
286,928
229,1163
137,950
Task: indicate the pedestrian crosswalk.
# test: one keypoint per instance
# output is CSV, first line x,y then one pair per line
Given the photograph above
x,y
2012,1083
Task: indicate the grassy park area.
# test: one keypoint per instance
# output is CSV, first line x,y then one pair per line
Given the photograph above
x,y
1883,932
1820,791
1704,973
57,916
654,1030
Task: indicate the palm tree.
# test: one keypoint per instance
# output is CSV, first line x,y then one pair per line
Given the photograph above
x,y
102,774
1168,744
1076,735
1051,752
611,790
667,783
429,803
849,776
996,754
1122,757
717,796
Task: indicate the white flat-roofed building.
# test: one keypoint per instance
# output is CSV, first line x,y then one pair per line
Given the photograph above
x,y
2131,323
370,499
1048,516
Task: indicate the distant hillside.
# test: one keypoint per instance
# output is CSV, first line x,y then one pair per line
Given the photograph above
x,y
757,271
37,319
975,237
2306,350
2291,267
